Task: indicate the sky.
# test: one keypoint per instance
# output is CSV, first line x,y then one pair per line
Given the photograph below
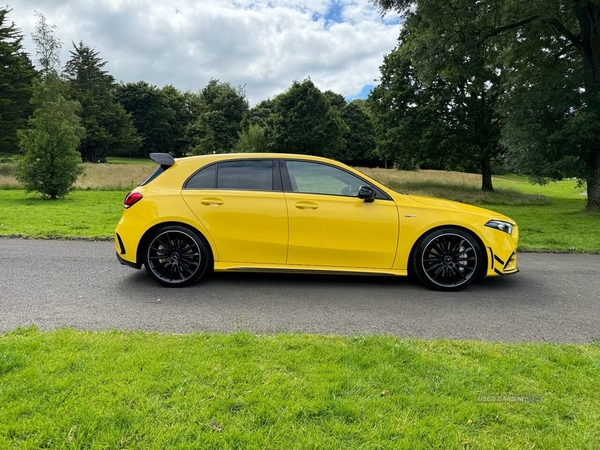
x,y
260,45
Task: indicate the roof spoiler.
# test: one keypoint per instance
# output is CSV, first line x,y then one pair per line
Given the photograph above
x,y
164,159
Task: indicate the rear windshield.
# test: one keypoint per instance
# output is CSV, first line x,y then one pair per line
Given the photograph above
x,y
156,173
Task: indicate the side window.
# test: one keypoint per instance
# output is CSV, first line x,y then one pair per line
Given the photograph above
x,y
317,178
204,179
250,175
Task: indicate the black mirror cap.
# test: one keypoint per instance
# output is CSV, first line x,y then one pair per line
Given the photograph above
x,y
367,193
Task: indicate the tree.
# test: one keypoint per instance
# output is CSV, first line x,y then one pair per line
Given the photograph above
x,y
359,137
261,114
545,44
109,129
48,48
451,51
217,130
50,164
186,107
152,116
397,116
252,140
211,133
305,123
16,77
336,100
425,123
553,129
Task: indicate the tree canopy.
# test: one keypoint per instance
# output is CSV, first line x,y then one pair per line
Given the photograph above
x,y
108,126
217,129
50,162
304,122
546,59
16,77
152,116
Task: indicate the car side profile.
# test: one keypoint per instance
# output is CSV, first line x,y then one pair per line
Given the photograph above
x,y
286,212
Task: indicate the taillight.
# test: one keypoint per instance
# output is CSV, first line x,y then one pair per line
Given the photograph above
x,y
131,199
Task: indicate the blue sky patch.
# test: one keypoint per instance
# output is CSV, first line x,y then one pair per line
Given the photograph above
x,y
363,94
333,15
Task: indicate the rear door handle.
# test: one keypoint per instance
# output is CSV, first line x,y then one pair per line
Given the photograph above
x,y
211,201
306,205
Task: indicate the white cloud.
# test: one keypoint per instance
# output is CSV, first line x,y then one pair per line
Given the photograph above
x,y
263,45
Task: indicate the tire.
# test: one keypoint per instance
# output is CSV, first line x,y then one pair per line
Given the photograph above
x,y
176,256
447,259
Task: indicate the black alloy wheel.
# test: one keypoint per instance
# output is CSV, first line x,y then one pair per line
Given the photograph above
x,y
448,259
176,256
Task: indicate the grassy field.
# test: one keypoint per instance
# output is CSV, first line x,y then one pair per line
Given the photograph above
x,y
68,389
104,177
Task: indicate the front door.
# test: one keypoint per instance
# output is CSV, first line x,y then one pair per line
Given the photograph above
x,y
330,226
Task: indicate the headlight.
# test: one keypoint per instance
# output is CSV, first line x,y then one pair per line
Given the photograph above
x,y
500,225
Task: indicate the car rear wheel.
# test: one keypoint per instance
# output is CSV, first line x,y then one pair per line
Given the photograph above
x,y
447,259
176,256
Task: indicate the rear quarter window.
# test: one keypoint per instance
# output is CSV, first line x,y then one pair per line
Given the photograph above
x,y
155,174
204,179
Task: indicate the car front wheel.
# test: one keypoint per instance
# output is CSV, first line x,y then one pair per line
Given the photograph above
x,y
448,259
176,256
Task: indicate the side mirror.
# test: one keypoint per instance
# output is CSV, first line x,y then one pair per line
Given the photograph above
x,y
367,193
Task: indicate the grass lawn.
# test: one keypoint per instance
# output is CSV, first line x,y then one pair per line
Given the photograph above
x,y
90,214
69,389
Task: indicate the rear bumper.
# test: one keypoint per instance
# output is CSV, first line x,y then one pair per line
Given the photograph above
x,y
122,253
128,263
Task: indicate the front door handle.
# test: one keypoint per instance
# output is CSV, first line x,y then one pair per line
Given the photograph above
x,y
306,205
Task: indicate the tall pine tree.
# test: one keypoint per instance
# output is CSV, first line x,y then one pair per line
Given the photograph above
x,y
109,129
16,76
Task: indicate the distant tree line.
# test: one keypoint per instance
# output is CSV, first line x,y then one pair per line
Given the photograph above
x,y
135,119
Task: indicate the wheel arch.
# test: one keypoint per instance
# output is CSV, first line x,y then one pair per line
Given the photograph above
x,y
483,247
150,231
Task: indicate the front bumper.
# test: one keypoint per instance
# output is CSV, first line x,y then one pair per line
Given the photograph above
x,y
499,266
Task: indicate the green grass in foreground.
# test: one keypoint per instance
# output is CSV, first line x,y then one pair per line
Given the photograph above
x,y
69,389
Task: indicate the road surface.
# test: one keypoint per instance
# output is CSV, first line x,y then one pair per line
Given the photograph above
x,y
79,284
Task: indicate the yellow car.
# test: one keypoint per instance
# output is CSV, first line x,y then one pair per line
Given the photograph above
x,y
283,212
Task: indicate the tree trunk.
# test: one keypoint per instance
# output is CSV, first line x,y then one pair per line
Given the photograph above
x,y
588,42
593,184
486,176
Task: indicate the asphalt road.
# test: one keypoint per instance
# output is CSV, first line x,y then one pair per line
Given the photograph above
x,y
77,284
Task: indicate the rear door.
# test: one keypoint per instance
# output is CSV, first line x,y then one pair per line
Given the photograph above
x,y
242,206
